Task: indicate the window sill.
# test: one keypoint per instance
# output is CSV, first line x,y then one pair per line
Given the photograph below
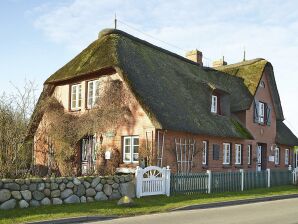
x,y
226,166
78,110
238,166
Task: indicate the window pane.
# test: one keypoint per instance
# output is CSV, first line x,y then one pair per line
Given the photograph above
x,y
127,141
127,149
135,156
136,149
136,141
127,157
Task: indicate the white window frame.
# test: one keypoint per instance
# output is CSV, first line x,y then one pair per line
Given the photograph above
x,y
276,156
204,154
76,97
287,156
261,111
249,154
214,104
226,153
131,152
238,152
92,95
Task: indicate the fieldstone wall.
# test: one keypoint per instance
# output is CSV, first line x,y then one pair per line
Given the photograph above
x,y
23,193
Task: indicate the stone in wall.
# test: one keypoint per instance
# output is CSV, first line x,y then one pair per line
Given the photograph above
x,y
24,193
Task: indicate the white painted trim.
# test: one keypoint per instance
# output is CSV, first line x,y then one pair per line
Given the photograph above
x,y
225,157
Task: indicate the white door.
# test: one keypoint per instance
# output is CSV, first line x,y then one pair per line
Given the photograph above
x,y
259,158
296,159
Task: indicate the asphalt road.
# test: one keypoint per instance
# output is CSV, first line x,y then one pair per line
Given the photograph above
x,y
274,212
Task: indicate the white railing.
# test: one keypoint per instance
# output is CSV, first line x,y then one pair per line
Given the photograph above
x,y
152,180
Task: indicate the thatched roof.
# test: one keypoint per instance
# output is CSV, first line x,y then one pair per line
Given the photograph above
x,y
174,91
284,135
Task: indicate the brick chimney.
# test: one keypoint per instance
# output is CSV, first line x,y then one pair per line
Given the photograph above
x,y
220,62
195,56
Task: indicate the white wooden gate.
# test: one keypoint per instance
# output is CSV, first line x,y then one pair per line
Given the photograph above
x,y
152,180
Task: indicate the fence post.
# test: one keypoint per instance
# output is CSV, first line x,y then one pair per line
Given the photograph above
x,y
209,181
138,181
268,178
242,179
168,181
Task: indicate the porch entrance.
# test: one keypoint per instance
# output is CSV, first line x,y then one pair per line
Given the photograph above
x,y
88,154
261,157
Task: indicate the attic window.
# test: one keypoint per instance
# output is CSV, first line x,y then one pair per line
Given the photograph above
x,y
262,84
93,92
215,103
76,97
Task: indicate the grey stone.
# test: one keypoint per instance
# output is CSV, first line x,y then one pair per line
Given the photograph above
x,y
45,201
76,181
110,182
75,188
19,181
103,181
16,195
1,184
55,193
70,178
53,180
47,180
90,199
12,186
121,179
107,189
80,190
24,187
115,195
90,192
10,204
125,201
26,195
57,201
115,186
23,204
7,181
72,199
99,187
59,180
40,186
4,195
69,185
33,187
34,203
54,186
100,196
48,185
47,192
65,180
62,186
88,179
83,199
37,195
36,180
86,184
66,193
127,178
95,181
128,189
116,179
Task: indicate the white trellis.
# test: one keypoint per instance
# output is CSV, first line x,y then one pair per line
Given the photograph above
x,y
160,147
184,154
152,180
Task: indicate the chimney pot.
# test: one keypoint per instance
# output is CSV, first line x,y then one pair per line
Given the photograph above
x,y
218,63
196,56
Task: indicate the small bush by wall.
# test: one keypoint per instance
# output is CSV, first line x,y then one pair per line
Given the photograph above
x,y
23,193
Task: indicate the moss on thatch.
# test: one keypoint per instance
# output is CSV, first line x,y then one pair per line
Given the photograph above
x,y
284,135
174,91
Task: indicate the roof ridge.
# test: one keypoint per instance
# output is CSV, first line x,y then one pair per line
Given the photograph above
x,y
238,64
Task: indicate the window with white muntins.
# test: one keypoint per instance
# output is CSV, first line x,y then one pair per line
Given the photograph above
x,y
226,153
76,97
261,112
238,152
286,156
93,93
214,104
204,156
131,149
276,156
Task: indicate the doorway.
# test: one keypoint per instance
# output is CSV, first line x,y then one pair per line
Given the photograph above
x,y
261,157
88,154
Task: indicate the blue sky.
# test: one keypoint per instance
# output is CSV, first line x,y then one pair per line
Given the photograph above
x,y
38,37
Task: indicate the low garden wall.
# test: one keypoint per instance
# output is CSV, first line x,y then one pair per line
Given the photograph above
x,y
23,193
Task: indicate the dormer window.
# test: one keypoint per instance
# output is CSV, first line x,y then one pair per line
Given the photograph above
x,y
76,97
261,112
214,104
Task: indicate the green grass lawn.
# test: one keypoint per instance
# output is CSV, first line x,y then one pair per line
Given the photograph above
x,y
143,205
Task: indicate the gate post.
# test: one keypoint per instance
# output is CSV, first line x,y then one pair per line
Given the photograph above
x,y
168,181
138,176
242,179
209,181
268,178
